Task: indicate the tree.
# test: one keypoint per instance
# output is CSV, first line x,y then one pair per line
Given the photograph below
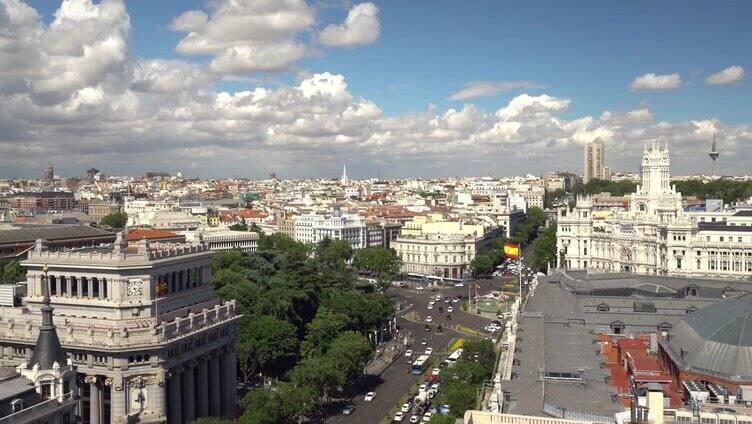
x,y
320,374
543,249
459,396
241,226
379,261
279,403
212,420
334,253
12,272
115,220
350,352
481,265
443,419
321,332
266,344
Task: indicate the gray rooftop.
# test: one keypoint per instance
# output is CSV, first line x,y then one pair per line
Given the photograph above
x,y
716,340
51,232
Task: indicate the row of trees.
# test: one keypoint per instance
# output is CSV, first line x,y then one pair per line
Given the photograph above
x,y
723,188
529,234
302,338
461,381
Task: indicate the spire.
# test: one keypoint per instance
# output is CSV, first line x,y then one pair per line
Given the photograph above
x,y
344,174
47,351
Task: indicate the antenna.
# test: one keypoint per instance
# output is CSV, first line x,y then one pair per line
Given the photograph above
x,y
713,151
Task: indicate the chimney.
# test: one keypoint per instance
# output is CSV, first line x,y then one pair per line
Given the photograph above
x,y
655,402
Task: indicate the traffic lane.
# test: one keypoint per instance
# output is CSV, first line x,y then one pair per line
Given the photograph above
x,y
394,382
420,300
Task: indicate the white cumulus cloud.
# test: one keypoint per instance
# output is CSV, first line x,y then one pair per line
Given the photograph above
x,y
361,26
652,81
490,88
730,75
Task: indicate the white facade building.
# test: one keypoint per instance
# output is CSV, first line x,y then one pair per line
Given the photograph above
x,y
223,239
655,235
312,228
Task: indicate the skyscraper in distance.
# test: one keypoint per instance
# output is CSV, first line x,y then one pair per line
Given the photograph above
x,y
595,157
49,173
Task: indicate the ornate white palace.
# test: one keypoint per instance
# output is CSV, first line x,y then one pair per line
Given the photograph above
x,y
655,235
149,339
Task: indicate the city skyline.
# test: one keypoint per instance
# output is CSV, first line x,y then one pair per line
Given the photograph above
x,y
185,87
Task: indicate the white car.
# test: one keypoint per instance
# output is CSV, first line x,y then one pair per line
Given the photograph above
x,y
419,288
435,386
459,285
427,417
450,309
430,306
423,387
409,353
435,371
429,351
429,319
414,419
398,417
369,396
405,408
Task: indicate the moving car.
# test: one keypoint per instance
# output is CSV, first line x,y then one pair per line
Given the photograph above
x,y
423,342
429,351
448,317
450,309
409,353
428,327
369,396
429,319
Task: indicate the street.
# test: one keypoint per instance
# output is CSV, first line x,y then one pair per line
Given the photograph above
x,y
395,381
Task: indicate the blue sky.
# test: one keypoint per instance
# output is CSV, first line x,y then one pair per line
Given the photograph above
x,y
580,55
588,51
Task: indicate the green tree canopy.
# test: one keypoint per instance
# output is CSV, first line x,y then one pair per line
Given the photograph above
x,y
115,220
321,332
12,272
267,344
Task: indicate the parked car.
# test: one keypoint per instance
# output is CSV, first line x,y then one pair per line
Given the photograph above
x,y
405,408
369,396
348,409
414,419
398,417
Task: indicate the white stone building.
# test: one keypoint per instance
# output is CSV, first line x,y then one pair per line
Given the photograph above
x,y
312,228
223,239
150,340
655,235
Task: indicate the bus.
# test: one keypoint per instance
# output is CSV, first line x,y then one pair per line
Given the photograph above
x,y
420,364
453,357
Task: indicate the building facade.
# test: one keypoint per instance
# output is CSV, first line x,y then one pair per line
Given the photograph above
x,y
654,235
150,340
221,239
594,161
312,228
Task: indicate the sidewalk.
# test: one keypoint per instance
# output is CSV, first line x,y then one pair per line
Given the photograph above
x,y
389,352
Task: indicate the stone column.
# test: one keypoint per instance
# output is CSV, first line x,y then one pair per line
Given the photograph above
x,y
159,404
215,386
188,394
174,413
228,384
117,401
203,389
95,400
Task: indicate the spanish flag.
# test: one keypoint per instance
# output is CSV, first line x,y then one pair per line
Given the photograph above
x,y
512,250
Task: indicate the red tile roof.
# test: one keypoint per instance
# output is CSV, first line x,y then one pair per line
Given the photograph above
x,y
148,233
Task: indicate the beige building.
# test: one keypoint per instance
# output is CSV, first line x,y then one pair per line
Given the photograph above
x,y
434,248
594,161
150,340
